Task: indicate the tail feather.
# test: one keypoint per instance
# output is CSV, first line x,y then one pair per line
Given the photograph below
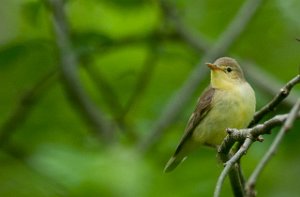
x,y
173,163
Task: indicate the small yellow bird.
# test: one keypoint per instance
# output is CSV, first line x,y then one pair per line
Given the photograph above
x,y
229,102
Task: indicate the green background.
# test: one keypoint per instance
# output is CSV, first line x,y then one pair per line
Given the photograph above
x,y
126,48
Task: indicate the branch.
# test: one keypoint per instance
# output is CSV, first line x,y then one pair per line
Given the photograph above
x,y
171,14
143,78
28,100
250,186
267,83
31,96
284,92
109,95
68,63
181,97
228,166
249,136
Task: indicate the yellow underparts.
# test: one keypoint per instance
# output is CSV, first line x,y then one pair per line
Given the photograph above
x,y
233,106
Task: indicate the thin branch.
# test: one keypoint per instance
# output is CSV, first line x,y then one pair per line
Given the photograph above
x,y
228,167
240,135
250,186
182,96
109,95
267,83
31,96
68,63
284,92
171,15
237,180
25,105
249,136
143,78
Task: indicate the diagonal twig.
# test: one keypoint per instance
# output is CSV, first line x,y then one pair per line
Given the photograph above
x,y
24,107
143,78
32,96
171,15
229,165
109,95
68,64
284,92
250,186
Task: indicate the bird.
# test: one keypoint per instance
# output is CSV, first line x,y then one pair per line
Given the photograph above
x,y
228,102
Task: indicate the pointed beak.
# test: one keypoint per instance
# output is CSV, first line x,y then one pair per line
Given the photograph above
x,y
213,66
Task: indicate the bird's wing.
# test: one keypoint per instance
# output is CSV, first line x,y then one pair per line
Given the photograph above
x,y
202,108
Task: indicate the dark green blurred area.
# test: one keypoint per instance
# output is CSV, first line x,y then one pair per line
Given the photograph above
x,y
54,153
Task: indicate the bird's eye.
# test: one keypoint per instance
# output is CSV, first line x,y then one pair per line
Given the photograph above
x,y
228,69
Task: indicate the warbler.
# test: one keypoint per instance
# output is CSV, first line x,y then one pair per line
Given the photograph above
x,y
228,102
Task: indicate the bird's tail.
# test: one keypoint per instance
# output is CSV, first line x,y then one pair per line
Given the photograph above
x,y
173,163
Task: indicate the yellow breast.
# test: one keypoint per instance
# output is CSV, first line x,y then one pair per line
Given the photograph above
x,y
231,108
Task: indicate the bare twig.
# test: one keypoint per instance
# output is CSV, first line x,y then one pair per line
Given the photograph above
x,y
229,165
181,97
236,180
267,83
24,106
249,136
68,63
284,92
250,186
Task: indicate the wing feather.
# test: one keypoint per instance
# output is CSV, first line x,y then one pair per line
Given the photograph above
x,y
202,108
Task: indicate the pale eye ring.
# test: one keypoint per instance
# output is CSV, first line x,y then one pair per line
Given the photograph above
x,y
228,69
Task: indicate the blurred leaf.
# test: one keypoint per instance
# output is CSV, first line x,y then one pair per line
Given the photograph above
x,y
127,3
18,180
31,11
114,35
93,173
17,50
86,42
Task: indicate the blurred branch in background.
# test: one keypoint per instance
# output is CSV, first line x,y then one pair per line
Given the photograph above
x,y
109,94
250,135
82,102
143,78
259,77
33,95
170,15
136,44
111,98
183,95
25,105
15,156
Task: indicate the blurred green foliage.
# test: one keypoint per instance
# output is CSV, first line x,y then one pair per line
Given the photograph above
x,y
53,153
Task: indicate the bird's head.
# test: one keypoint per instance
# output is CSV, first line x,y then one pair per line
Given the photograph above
x,y
225,73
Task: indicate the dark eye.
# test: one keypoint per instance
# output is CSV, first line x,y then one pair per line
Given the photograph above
x,y
228,69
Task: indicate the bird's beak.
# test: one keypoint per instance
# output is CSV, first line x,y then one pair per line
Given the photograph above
x,y
213,66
